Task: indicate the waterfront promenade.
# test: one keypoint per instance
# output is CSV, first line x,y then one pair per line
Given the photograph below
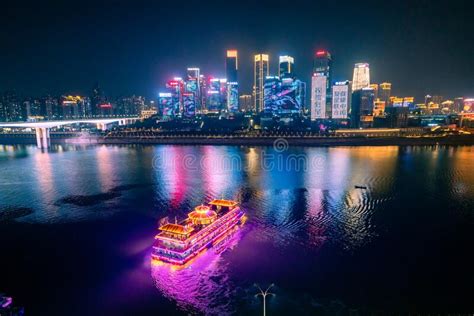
x,y
247,140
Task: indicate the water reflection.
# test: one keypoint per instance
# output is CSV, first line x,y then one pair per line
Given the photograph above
x,y
202,286
302,221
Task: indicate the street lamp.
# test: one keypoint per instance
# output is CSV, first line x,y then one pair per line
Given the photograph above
x,y
264,295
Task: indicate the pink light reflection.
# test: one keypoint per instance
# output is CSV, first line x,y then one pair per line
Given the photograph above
x,y
201,286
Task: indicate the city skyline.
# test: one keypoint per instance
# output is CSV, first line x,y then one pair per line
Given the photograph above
x,y
71,54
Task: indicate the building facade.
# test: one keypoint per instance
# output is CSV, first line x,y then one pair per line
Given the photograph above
x,y
318,97
341,99
286,67
322,67
261,71
361,76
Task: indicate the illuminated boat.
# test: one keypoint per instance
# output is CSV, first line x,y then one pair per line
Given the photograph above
x,y
206,226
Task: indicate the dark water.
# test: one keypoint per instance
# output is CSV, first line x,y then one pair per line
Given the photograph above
x,y
77,225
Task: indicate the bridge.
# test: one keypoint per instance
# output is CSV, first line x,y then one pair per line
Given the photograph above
x,y
42,129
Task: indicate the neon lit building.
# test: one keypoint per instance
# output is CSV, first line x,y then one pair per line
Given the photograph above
x,y
192,86
214,99
271,90
318,96
232,97
286,67
283,96
260,72
341,99
231,66
176,88
189,104
203,83
166,104
322,67
361,77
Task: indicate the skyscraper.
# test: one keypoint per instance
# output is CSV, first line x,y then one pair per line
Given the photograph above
x,y
341,99
232,81
286,67
192,92
361,78
318,96
362,107
261,70
231,66
322,67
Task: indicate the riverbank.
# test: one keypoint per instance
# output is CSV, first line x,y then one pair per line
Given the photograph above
x,y
8,139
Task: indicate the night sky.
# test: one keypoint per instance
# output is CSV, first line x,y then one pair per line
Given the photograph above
x,y
133,48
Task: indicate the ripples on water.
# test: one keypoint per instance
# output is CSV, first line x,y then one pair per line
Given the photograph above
x,y
294,214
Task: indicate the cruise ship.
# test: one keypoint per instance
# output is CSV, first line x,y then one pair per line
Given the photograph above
x,y
205,227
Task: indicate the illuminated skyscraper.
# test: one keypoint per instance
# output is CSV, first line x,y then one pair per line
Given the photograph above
x,y
361,78
192,92
286,67
232,83
322,67
318,96
261,70
231,66
385,90
341,99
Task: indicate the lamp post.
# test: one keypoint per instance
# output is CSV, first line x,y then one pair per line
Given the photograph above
x,y
264,295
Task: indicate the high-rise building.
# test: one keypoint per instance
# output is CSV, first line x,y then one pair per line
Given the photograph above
x,y
283,97
271,88
232,88
261,71
245,103
322,66
385,89
362,107
166,105
202,93
322,63
318,96
231,66
361,77
232,96
341,99
176,88
192,92
286,67
214,96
